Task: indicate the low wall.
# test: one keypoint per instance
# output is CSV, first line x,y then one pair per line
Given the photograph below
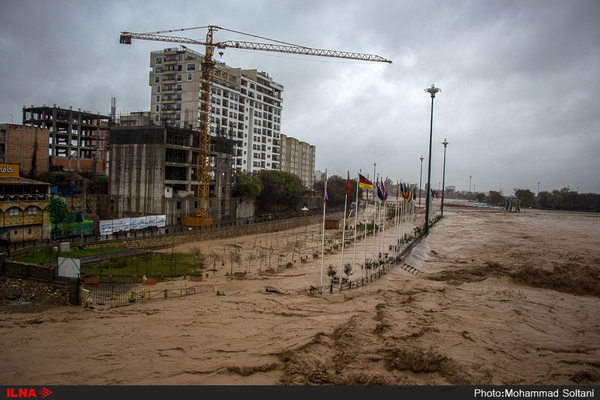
x,y
41,274
180,236
195,235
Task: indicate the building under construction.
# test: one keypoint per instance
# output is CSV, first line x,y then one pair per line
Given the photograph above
x,y
153,171
78,139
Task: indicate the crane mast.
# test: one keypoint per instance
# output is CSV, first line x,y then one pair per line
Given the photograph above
x,y
208,64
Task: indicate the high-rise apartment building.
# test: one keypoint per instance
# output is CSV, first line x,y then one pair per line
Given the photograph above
x,y
246,105
298,158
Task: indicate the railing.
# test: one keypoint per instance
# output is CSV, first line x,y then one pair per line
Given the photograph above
x,y
25,197
376,273
133,291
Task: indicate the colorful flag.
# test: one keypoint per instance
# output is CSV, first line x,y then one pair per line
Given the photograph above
x,y
325,195
364,183
380,197
383,191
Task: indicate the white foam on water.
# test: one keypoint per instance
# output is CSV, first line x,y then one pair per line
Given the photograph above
x,y
418,254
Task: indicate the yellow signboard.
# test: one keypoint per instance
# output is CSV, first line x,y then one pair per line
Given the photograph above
x,y
9,170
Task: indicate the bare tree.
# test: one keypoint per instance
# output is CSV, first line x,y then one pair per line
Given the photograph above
x,y
251,257
234,257
214,256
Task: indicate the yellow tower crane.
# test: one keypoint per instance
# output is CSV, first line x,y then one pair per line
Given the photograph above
x,y
208,64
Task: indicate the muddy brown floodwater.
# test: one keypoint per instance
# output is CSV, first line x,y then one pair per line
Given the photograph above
x,y
503,299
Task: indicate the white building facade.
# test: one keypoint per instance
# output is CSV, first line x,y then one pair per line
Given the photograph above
x,y
246,105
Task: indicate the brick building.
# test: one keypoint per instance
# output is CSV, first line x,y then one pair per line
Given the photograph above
x,y
26,146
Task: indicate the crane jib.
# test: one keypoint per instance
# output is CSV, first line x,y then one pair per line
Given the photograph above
x,y
203,159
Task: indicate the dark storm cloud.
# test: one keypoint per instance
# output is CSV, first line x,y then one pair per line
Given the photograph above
x,y
519,79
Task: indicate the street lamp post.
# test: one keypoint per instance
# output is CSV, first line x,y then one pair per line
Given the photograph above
x,y
421,178
432,91
445,143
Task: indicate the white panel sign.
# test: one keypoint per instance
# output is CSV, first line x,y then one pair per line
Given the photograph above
x,y
138,223
121,225
106,227
69,267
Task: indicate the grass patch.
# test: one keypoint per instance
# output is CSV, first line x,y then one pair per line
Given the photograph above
x,y
162,264
49,254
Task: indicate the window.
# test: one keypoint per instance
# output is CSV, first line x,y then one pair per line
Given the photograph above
x,y
157,79
191,67
158,99
13,211
158,89
189,77
31,210
158,60
179,77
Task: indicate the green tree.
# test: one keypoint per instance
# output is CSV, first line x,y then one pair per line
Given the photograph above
x,y
98,185
348,269
331,272
336,190
245,186
58,211
280,189
526,196
495,198
542,199
56,178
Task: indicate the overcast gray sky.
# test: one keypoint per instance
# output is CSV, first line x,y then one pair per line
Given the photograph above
x,y
520,79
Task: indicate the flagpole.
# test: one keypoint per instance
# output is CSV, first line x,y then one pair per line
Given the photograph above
x,y
384,218
379,219
374,204
366,221
344,228
397,213
356,218
375,215
365,241
323,235
343,241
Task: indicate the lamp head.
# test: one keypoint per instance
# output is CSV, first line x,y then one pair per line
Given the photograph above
x,y
433,90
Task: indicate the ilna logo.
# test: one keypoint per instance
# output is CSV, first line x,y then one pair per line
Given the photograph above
x,y
25,392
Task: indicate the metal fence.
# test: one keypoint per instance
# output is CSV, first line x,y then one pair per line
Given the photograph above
x,y
131,291
373,273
